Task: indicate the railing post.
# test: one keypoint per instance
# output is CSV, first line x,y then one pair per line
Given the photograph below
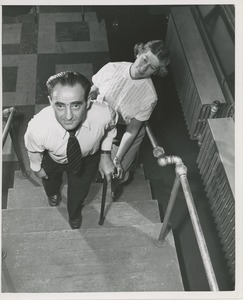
x,y
180,170
161,242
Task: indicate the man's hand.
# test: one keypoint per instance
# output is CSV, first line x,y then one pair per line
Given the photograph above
x,y
41,174
106,166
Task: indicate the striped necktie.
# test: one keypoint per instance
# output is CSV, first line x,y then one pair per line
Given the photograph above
x,y
74,154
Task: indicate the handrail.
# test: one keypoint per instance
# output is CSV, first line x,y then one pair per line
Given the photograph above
x,y
181,177
8,114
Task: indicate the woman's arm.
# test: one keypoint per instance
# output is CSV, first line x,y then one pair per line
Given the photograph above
x,y
126,141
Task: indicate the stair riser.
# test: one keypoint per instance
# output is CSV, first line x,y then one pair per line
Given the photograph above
x,y
53,218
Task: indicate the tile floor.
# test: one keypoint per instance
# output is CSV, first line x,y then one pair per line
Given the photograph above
x,y
33,51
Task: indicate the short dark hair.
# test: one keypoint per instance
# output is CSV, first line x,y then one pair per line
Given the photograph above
x,y
68,78
158,48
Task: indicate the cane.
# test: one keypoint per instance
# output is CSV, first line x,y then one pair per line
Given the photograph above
x,y
104,192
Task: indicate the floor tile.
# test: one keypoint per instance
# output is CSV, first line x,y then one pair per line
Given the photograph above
x,y
47,34
26,79
84,69
11,49
98,33
9,79
19,35
64,9
29,36
17,12
11,33
49,64
72,31
46,38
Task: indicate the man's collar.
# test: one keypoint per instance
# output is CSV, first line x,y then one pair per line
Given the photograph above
x,y
85,124
63,131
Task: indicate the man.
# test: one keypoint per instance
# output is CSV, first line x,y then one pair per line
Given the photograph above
x,y
71,121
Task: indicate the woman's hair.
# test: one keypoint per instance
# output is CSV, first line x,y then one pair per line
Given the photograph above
x,y
68,78
158,48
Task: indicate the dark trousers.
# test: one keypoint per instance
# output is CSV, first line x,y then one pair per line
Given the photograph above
x,y
78,184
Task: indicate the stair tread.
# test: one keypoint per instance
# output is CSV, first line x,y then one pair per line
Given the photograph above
x,y
34,196
21,197
33,180
92,260
56,218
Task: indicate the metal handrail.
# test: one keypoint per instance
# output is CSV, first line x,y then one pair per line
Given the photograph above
x,y
8,114
181,177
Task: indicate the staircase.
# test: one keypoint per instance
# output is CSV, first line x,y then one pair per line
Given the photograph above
x,y
44,255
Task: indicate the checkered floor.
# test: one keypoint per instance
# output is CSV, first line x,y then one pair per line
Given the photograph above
x,y
38,46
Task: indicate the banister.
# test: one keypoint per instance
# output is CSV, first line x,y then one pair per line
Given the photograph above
x,y
9,114
181,177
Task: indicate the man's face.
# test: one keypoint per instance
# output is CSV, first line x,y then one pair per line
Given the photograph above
x,y
69,105
145,65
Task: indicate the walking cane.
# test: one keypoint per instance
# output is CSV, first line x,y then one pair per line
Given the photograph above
x,y
104,191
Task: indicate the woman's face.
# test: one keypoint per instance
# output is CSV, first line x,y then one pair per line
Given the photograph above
x,y
145,65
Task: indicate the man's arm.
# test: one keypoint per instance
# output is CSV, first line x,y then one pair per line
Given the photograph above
x,y
35,164
35,151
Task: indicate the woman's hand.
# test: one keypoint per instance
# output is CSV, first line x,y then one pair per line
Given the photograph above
x,y
119,169
94,92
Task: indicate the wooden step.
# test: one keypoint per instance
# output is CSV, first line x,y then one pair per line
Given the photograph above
x,y
53,218
118,259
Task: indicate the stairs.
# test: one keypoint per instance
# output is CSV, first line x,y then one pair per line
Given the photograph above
x,y
45,255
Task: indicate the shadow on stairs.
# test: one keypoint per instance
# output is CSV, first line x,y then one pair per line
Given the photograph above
x,y
45,255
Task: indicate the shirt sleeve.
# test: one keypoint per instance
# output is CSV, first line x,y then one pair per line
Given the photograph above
x,y
145,114
35,160
32,139
97,79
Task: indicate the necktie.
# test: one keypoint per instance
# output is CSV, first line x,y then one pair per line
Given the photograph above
x,y
74,154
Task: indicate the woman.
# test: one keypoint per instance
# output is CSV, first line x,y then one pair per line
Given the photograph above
x,y
128,88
